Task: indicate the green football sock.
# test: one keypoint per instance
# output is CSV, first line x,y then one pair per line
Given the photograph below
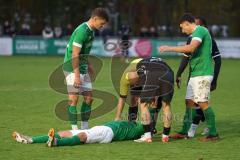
x,y
188,117
210,119
72,114
69,141
43,138
85,111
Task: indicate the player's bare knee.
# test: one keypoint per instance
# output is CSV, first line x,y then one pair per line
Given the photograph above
x,y
83,137
88,99
203,105
72,102
189,103
73,99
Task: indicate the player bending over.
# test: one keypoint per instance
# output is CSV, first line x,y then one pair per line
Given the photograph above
x,y
156,80
111,131
126,83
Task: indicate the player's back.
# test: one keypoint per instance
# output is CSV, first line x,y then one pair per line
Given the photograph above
x,y
125,130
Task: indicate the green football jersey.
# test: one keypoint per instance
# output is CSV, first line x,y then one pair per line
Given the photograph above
x,y
81,37
201,59
124,130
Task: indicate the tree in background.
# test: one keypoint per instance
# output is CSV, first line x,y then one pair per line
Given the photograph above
x,y
138,13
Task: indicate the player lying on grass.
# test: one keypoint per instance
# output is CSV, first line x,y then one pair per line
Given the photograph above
x,y
76,67
216,56
155,84
201,74
106,133
126,83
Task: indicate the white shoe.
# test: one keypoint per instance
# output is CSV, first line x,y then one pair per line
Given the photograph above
x,y
192,130
191,133
22,138
205,131
144,139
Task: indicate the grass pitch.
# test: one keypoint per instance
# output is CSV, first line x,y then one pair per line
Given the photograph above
x,y
27,105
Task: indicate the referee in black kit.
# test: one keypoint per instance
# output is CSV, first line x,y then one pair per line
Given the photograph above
x,y
156,85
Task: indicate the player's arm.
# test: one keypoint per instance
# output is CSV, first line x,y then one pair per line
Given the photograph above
x,y
120,106
182,66
77,45
91,68
186,49
75,64
217,64
124,87
190,48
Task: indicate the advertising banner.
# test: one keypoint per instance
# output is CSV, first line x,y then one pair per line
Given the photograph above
x,y
137,47
29,45
6,46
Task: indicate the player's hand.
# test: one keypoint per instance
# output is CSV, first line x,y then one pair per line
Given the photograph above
x,y
178,81
91,72
164,48
77,82
213,86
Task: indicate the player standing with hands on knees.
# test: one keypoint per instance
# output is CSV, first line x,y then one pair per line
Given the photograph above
x,y
201,72
76,66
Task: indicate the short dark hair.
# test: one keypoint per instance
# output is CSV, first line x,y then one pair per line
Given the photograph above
x,y
203,21
187,17
100,12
